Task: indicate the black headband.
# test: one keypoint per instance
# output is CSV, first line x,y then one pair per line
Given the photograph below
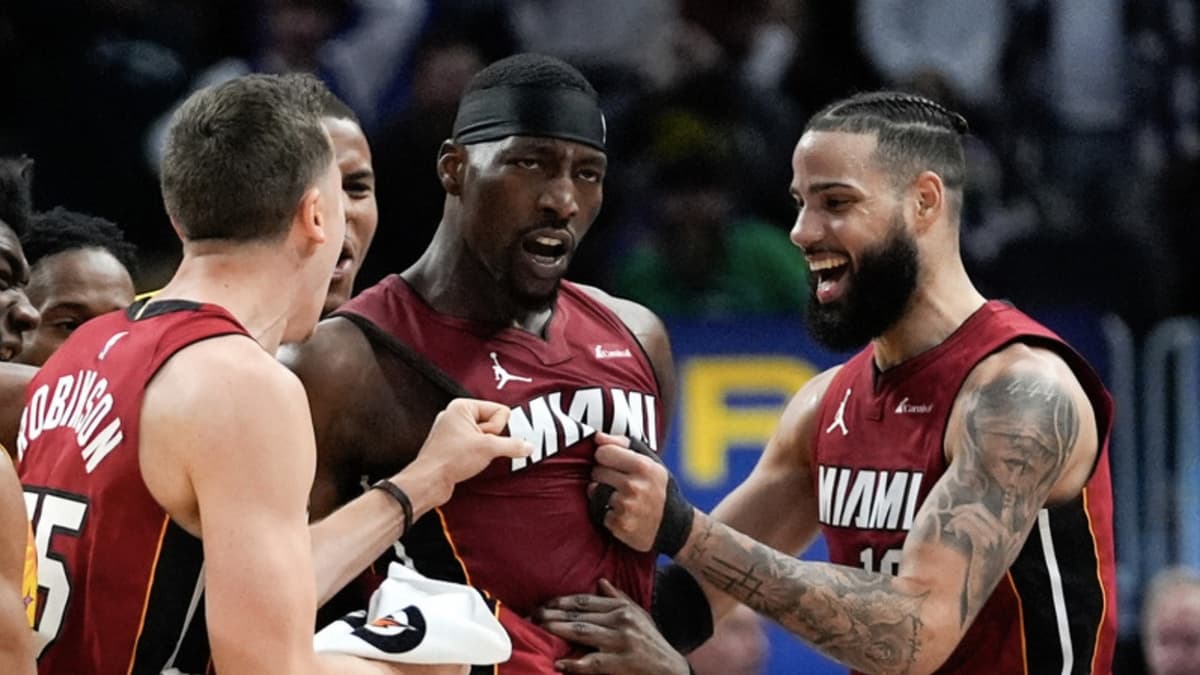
x,y
500,112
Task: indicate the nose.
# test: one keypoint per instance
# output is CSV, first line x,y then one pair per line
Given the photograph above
x,y
21,316
559,198
807,231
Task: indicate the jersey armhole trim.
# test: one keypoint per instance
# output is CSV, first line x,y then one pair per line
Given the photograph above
x,y
377,335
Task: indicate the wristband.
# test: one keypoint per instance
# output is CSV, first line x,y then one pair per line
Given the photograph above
x,y
680,609
401,498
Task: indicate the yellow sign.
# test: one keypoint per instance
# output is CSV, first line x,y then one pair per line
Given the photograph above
x,y
711,426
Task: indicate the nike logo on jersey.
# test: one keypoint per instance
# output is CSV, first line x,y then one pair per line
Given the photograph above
x,y
603,352
867,499
839,420
502,376
906,408
111,342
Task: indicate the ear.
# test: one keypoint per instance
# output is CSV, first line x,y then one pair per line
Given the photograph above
x,y
178,230
25,169
929,193
308,222
451,165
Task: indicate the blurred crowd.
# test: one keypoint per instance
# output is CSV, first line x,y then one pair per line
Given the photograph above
x,y
1085,114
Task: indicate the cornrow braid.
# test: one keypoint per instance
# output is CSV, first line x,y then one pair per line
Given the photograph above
x,y
914,134
900,108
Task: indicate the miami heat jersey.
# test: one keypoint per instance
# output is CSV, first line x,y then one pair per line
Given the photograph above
x,y
120,584
519,531
878,452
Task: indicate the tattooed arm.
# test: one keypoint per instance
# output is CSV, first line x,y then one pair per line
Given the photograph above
x,y
777,503
1021,434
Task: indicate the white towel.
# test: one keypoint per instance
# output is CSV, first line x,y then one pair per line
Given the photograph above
x,y
414,619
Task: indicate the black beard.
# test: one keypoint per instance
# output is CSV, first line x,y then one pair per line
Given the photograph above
x,y
879,293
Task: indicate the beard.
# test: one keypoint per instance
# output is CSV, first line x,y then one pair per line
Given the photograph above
x,y
527,292
878,294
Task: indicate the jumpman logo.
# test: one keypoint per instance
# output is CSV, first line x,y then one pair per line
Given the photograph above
x,y
839,420
503,377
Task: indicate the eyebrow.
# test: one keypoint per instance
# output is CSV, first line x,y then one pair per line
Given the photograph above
x,y
597,160
829,185
547,147
69,306
532,145
19,269
359,174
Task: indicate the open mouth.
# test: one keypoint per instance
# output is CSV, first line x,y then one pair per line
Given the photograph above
x,y
545,249
345,261
831,271
548,249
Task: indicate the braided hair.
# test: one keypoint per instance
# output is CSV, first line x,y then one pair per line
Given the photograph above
x,y
914,134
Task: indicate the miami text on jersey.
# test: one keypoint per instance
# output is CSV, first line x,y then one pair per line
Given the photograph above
x,y
867,499
552,421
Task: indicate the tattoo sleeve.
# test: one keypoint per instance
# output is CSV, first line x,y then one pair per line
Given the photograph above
x,y
1013,436
863,619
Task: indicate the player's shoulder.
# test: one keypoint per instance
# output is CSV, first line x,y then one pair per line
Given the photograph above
x,y
335,344
341,372
805,405
335,347
1031,386
639,318
229,372
1022,364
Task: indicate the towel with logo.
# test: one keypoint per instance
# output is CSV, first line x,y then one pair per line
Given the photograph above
x,y
414,619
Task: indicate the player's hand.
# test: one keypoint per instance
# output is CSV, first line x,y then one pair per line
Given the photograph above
x,y
646,509
464,439
623,634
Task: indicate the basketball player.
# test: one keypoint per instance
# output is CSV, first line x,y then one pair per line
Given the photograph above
x,y
17,318
80,267
485,311
353,156
957,467
166,454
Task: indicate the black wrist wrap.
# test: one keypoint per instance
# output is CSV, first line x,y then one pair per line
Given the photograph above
x,y
677,514
680,609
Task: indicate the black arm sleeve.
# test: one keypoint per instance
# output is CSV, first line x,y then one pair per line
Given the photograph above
x,y
680,609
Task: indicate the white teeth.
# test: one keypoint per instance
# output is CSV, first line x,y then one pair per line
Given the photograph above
x,y
548,241
826,263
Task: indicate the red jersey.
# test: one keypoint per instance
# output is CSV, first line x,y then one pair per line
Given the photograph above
x,y
878,452
519,531
120,583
